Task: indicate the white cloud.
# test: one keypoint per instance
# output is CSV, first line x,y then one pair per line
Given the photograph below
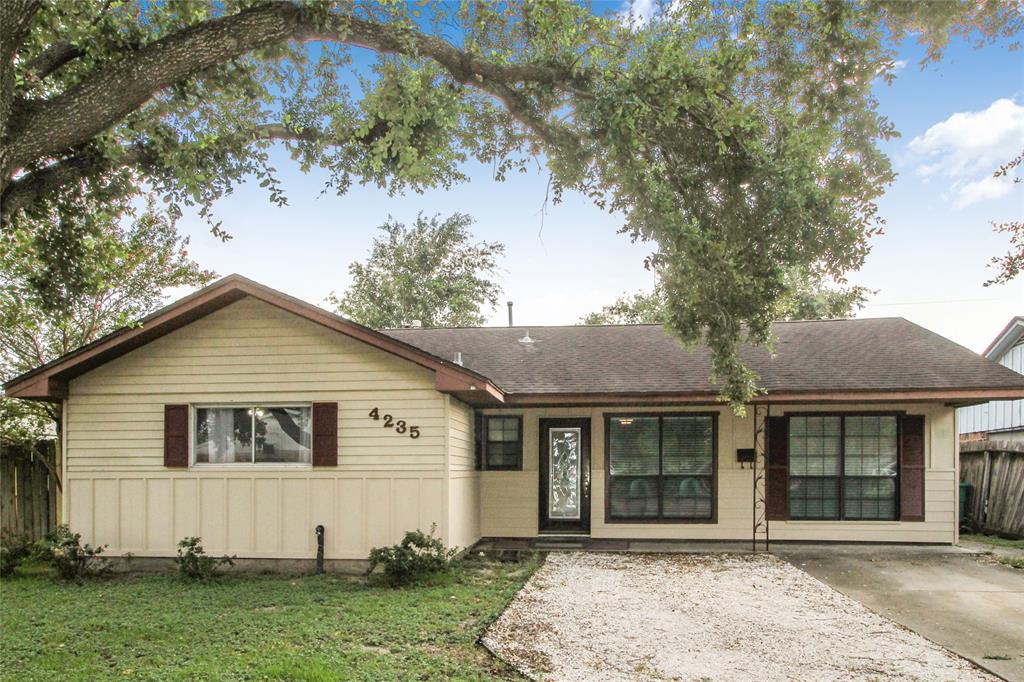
x,y
982,190
639,11
968,146
899,65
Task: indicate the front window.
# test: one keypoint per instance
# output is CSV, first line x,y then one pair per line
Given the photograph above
x,y
843,467
253,434
661,467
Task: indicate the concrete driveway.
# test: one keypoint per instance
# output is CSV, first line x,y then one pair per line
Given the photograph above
x,y
966,603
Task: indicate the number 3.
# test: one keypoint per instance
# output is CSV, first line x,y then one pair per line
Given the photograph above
x,y
400,426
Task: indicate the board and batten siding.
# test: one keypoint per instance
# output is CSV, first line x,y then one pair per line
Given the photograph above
x,y
118,492
509,499
998,415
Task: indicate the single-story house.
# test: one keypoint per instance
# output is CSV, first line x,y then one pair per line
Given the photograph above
x,y
999,420
248,417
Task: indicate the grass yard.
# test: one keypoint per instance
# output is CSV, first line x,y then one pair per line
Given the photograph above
x,y
993,540
1014,557
260,627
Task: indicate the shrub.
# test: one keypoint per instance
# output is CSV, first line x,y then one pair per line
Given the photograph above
x,y
195,564
416,557
14,549
65,553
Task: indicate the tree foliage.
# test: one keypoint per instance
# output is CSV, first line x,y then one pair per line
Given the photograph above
x,y
431,272
739,136
1012,264
809,298
128,259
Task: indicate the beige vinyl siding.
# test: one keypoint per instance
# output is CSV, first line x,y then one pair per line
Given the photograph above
x,y
119,493
509,502
463,479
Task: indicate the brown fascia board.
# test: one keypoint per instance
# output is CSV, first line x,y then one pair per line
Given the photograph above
x,y
49,382
967,396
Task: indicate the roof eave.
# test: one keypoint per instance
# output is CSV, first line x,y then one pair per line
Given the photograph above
x,y
49,382
597,399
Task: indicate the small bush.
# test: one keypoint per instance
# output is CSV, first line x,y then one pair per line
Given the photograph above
x,y
14,549
195,564
65,553
416,557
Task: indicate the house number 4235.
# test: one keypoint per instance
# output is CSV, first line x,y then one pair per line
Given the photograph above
x,y
398,425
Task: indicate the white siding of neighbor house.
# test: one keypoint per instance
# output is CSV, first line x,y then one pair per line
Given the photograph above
x,y
119,493
998,415
509,499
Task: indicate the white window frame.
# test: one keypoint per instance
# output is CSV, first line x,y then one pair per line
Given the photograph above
x,y
235,466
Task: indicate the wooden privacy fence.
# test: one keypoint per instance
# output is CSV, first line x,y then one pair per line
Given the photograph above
x,y
995,471
28,490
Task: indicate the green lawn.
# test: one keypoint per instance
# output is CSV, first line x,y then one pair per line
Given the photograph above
x,y
253,627
993,540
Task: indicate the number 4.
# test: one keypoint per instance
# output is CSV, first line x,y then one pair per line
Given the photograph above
x,y
374,413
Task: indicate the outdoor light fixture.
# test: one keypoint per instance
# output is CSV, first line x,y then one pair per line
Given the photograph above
x,y
626,422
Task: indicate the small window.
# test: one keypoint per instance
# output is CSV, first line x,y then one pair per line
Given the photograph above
x,y
503,445
256,434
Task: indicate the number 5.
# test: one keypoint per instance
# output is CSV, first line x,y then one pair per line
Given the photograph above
x,y
414,432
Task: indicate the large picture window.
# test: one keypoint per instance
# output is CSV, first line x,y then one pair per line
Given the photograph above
x,y
253,434
661,467
843,467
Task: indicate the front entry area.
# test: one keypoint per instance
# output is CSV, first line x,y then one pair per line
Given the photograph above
x,y
564,475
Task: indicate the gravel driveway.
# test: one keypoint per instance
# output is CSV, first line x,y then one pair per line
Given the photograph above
x,y
586,616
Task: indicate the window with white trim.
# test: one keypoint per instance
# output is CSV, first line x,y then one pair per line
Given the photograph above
x,y
253,434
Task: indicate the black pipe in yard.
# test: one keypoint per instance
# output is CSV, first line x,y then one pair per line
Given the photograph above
x,y
319,548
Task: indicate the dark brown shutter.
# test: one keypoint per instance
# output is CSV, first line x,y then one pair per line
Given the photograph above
x,y
912,468
176,435
478,440
778,469
325,434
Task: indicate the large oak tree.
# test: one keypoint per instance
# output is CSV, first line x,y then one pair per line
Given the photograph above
x,y
739,136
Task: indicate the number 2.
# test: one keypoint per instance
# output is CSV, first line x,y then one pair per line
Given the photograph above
x,y
374,413
387,421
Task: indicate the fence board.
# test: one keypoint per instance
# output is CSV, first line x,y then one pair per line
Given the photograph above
x,y
997,489
28,495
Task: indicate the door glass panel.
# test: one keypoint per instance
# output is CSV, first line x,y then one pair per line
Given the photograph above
x,y
564,473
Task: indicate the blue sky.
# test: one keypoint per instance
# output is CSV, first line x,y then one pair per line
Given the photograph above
x,y
958,120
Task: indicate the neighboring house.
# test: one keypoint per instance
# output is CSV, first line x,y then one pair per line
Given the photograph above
x,y
248,417
999,419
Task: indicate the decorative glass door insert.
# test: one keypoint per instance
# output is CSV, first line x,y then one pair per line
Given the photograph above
x,y
564,473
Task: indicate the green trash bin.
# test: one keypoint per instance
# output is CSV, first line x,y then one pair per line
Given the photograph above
x,y
965,493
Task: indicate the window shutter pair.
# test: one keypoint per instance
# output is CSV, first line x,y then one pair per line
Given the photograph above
x,y
325,435
912,467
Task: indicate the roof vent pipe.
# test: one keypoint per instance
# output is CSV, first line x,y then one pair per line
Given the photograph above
x,y
526,339
510,313
457,358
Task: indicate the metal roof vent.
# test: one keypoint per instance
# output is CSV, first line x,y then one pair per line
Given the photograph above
x,y
526,339
457,358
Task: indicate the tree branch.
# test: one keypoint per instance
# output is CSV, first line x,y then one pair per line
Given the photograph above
x,y
51,59
45,128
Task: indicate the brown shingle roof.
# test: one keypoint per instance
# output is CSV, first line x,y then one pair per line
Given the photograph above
x,y
879,355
